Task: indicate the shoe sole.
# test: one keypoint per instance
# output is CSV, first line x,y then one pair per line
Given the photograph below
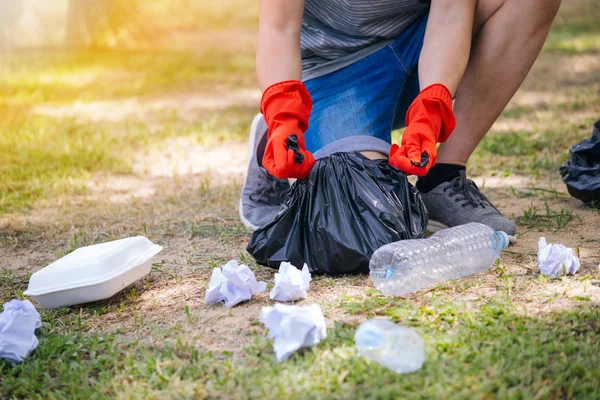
x,y
251,143
436,226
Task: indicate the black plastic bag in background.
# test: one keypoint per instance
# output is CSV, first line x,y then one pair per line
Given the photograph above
x,y
334,220
582,172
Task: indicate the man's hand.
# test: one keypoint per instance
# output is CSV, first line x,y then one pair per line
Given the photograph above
x,y
286,107
429,120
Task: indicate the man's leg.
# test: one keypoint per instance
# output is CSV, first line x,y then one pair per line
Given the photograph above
x,y
508,37
262,194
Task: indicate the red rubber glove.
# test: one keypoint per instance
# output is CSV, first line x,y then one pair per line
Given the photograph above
x,y
429,120
286,107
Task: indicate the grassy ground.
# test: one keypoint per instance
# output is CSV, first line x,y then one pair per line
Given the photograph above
x,y
103,145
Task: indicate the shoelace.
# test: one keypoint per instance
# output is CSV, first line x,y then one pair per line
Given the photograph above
x,y
467,193
270,193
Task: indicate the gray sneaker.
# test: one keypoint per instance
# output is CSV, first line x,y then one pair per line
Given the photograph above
x,y
262,194
459,202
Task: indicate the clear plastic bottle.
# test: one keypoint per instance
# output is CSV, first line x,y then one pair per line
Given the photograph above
x,y
396,347
410,265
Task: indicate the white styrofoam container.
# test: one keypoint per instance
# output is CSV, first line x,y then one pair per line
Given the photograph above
x,y
92,273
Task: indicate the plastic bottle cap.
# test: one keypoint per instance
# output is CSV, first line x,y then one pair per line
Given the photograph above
x,y
505,239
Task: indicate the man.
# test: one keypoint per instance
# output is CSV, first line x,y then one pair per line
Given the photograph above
x,y
340,75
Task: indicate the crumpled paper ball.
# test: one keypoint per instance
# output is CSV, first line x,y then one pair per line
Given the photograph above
x,y
293,327
18,323
234,284
556,259
290,283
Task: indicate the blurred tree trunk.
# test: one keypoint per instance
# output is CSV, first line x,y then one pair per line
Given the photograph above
x,y
10,12
103,22
77,34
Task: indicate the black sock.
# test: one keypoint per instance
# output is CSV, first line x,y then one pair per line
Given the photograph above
x,y
440,173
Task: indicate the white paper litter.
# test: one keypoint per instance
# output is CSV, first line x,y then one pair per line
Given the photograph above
x,y
236,283
556,259
18,323
290,283
293,327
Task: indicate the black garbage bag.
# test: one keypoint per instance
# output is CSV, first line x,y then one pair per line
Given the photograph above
x,y
334,220
582,172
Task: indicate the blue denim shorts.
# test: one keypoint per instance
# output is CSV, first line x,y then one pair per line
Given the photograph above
x,y
357,107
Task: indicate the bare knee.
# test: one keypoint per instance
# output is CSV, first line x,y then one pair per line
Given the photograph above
x,y
373,155
541,11
535,13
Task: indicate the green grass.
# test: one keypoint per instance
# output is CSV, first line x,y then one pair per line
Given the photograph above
x,y
489,348
546,218
220,232
43,157
575,31
495,351
55,76
517,112
535,191
528,152
40,156
514,144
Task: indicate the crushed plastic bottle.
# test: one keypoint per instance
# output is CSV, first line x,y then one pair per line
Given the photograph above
x,y
396,347
410,265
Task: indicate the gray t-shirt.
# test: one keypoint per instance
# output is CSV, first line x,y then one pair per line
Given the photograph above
x,y
337,33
